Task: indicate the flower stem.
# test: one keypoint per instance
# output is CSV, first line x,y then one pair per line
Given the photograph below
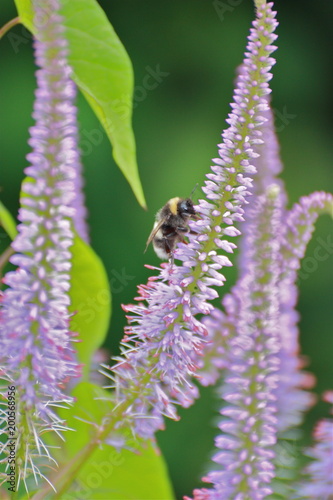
x,y
4,258
6,27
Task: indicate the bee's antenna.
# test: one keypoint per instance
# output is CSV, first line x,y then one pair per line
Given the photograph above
x,y
193,190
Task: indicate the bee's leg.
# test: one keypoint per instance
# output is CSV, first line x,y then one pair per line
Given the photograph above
x,y
182,230
169,250
169,240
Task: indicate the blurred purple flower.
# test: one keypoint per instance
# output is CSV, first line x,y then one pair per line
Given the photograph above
x,y
320,470
35,343
78,203
298,229
250,424
293,231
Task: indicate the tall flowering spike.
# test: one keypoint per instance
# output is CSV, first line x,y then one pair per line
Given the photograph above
x,y
249,426
154,373
299,226
221,325
268,166
35,343
319,481
268,163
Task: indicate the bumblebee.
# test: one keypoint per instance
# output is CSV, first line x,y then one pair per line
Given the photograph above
x,y
171,225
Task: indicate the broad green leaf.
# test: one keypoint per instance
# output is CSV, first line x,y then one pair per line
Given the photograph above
x,y
7,221
125,476
24,9
109,474
90,301
103,72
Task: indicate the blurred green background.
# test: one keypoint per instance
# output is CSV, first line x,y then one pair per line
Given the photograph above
x,y
191,49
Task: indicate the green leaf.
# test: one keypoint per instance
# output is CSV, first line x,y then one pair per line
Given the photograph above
x,y
90,301
110,474
103,72
7,221
126,475
25,11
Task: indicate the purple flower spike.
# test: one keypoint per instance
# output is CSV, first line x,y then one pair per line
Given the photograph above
x,y
35,343
293,400
250,425
155,373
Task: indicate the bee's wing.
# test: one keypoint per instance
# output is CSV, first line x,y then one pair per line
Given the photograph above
x,y
155,230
